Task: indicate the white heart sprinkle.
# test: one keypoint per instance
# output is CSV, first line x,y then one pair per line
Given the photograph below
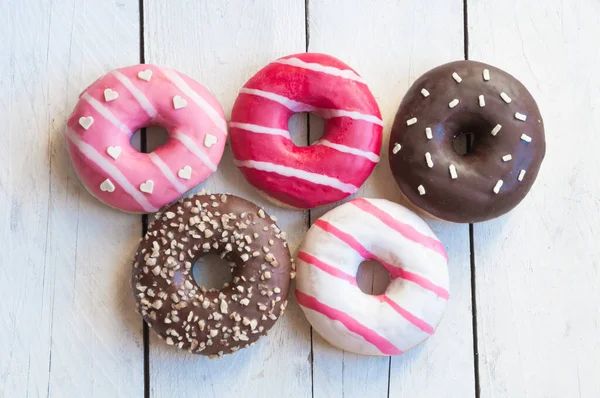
x,y
110,95
147,186
185,173
179,102
209,140
114,151
107,186
145,75
86,121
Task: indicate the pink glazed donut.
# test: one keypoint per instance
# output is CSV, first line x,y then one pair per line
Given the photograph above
x,y
115,106
333,167
326,288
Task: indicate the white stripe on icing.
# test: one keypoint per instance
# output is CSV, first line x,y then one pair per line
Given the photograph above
x,y
167,172
113,172
330,70
346,149
191,145
296,106
255,128
197,98
104,111
301,174
137,94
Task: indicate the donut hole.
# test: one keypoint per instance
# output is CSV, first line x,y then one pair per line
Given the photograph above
x,y
372,278
298,124
148,139
463,143
212,272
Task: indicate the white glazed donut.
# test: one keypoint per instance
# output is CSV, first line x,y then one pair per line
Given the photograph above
x,y
328,260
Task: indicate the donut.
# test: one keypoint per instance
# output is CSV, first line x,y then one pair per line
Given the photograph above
x,y
212,322
114,107
327,171
328,260
509,145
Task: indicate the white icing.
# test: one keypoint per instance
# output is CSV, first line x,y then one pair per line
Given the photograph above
x,y
114,152
507,158
209,140
496,129
428,133
521,175
185,173
421,190
425,92
453,173
110,95
107,186
137,94
166,170
453,103
428,160
456,77
505,97
315,178
192,147
525,138
255,128
179,102
486,74
145,75
498,186
520,116
147,186
330,70
481,101
106,113
346,149
396,148
411,121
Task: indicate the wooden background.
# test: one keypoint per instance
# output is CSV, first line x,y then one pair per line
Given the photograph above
x,y
524,314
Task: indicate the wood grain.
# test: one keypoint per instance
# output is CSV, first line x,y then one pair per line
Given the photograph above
x,y
222,44
538,279
68,320
391,44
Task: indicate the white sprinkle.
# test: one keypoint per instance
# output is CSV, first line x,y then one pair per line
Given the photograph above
x,y
428,159
453,103
456,77
412,121
425,93
421,190
505,97
486,74
520,116
521,175
498,186
507,158
496,129
525,138
428,133
481,101
396,148
453,172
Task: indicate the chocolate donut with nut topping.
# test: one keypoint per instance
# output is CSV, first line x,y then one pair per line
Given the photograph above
x,y
204,321
508,148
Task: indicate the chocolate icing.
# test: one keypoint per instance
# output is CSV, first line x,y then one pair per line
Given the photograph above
x,y
212,322
470,197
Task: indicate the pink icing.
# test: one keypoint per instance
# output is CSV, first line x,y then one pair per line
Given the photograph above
x,y
142,103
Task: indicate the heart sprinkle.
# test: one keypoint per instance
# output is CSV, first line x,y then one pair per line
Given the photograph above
x,y
86,121
209,140
145,75
107,186
179,102
114,152
110,95
147,186
185,173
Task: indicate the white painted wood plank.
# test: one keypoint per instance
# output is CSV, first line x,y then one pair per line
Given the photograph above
x,y
538,277
391,43
67,311
222,44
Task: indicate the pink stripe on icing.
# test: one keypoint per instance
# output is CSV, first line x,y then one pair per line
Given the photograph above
x,y
331,270
395,272
415,320
370,335
405,230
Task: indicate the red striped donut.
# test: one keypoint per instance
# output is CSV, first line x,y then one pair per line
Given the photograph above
x,y
330,169
115,106
326,288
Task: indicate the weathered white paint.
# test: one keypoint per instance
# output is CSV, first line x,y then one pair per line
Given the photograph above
x,y
67,313
222,44
390,44
538,267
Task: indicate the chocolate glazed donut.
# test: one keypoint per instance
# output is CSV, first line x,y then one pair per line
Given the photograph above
x,y
509,145
204,321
